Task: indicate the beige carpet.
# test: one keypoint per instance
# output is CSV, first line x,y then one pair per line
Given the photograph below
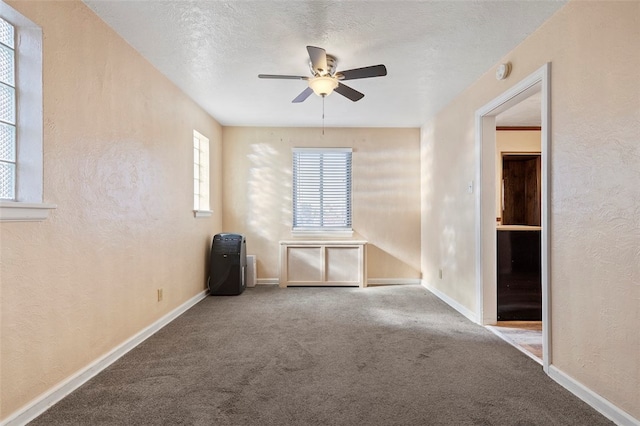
x,y
391,355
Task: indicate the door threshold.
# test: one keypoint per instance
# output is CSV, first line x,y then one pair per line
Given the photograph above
x,y
526,336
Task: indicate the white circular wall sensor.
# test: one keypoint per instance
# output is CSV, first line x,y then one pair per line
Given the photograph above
x,y
503,71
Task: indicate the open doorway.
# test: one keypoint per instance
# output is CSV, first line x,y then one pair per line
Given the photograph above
x,y
519,271
526,221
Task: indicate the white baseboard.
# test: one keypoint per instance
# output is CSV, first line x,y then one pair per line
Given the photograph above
x,y
371,281
393,281
451,302
43,402
600,404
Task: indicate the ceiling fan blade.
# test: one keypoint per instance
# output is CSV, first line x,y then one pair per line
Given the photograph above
x,y
348,92
283,77
302,96
366,72
318,58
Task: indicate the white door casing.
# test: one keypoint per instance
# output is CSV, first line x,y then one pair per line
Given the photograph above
x,y
486,286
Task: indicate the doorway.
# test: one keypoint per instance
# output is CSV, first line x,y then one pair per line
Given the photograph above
x,y
487,216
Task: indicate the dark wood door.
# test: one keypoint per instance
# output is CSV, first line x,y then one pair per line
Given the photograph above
x,y
521,183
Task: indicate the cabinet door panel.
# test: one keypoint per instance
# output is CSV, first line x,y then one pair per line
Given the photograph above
x,y
304,264
343,264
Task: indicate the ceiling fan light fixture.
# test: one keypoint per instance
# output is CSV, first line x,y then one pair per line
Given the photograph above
x,y
323,85
325,79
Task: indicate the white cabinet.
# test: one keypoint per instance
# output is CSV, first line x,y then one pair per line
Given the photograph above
x,y
316,263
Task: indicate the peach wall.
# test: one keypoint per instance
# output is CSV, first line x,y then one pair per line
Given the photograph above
x,y
118,164
386,192
594,48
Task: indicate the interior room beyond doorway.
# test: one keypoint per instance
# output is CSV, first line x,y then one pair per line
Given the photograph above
x,y
518,207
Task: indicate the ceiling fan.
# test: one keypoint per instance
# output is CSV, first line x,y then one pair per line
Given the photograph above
x,y
324,78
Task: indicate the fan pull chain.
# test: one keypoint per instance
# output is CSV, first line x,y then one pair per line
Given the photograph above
x,y
323,96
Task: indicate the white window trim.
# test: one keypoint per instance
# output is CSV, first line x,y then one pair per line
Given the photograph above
x,y
317,233
346,232
28,206
202,213
12,211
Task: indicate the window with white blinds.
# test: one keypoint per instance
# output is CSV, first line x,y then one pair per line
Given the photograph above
x,y
322,189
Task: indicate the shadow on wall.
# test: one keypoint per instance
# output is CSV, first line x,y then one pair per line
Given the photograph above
x,y
448,210
386,209
385,193
268,204
265,193
382,264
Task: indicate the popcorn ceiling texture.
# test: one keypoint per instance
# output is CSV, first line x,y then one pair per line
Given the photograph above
x,y
214,51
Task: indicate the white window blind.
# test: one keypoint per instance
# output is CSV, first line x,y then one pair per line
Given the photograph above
x,y
322,189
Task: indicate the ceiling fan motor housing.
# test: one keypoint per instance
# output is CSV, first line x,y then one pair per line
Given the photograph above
x,y
332,64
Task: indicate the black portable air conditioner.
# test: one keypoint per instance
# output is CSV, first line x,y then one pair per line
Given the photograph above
x,y
228,265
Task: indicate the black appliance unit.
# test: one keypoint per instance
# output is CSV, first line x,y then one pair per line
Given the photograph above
x,y
519,276
228,265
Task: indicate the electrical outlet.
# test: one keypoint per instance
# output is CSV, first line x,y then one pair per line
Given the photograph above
x,y
440,273
159,295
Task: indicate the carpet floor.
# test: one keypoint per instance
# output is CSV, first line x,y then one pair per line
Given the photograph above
x,y
392,355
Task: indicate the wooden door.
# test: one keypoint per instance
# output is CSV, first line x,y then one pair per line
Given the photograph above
x,y
521,176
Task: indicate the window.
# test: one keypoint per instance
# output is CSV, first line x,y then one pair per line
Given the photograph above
x,y
322,189
7,112
21,175
200,175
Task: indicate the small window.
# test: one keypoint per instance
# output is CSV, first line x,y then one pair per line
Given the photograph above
x,y
7,112
21,134
322,189
201,206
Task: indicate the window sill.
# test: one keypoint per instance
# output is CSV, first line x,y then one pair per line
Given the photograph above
x,y
324,233
202,213
14,211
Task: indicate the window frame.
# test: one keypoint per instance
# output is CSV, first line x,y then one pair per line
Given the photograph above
x,y
300,230
8,122
28,204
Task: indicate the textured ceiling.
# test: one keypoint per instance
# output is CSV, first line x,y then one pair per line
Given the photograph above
x,y
527,113
214,50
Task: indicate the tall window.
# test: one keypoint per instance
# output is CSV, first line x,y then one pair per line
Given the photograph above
x,y
21,171
7,112
200,175
322,189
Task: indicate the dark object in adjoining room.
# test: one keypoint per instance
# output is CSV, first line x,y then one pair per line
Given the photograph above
x,y
228,265
519,276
